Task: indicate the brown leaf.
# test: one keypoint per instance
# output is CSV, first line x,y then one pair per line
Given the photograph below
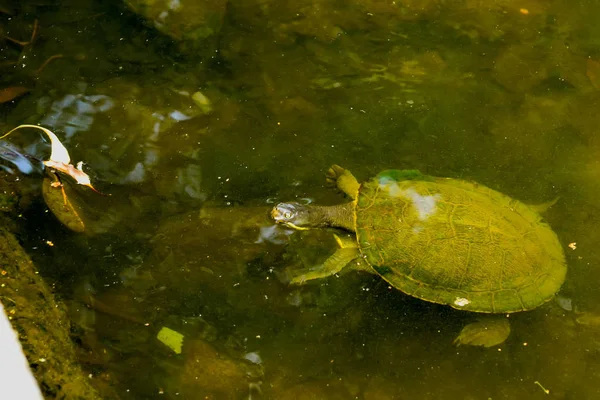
x,y
60,160
76,173
61,205
11,93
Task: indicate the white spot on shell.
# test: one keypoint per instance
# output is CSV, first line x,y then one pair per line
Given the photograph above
x,y
424,205
461,301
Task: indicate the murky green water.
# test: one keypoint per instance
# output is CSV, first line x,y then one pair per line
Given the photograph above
x,y
505,94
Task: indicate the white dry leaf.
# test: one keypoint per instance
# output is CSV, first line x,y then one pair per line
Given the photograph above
x,y
59,151
60,159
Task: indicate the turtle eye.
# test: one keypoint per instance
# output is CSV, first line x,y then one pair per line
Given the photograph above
x,y
287,215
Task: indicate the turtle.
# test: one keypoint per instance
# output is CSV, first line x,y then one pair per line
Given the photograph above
x,y
442,240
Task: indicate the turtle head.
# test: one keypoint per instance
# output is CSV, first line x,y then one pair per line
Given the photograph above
x,y
293,215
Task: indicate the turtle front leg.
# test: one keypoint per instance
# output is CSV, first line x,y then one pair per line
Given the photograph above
x,y
489,331
343,179
331,266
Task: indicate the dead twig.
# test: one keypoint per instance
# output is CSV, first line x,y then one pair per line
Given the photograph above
x,y
30,41
54,57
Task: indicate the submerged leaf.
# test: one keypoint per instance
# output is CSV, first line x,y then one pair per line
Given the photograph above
x,y
66,204
11,93
64,208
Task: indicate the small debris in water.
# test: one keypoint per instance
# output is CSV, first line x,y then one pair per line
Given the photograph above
x,y
565,303
543,388
171,339
253,357
573,245
202,102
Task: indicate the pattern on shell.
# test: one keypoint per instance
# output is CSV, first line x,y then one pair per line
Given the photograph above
x,y
458,243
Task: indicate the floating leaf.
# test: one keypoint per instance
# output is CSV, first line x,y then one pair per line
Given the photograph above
x,y
60,160
76,173
11,93
61,197
59,152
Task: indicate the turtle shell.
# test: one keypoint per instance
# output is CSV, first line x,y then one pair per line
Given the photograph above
x,y
454,242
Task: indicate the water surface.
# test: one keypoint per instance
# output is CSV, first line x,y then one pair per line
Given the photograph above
x,y
503,94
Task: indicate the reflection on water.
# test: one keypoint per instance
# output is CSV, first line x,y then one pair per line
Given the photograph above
x,y
24,163
195,148
75,112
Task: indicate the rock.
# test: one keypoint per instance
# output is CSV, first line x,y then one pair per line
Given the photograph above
x,y
520,68
209,374
196,23
41,323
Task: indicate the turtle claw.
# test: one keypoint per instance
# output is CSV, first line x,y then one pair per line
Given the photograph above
x,y
343,180
487,332
334,172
